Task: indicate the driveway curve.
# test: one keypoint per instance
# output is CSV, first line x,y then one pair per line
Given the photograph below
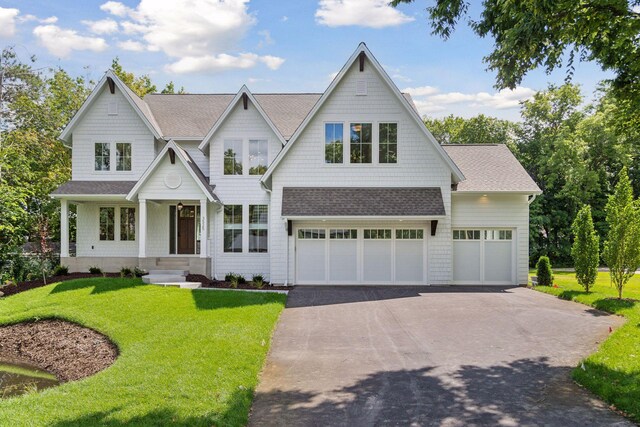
x,y
443,356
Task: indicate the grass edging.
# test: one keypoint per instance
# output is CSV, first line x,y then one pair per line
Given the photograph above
x,y
613,371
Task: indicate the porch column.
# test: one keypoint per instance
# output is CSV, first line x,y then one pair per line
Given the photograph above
x,y
64,228
204,222
142,232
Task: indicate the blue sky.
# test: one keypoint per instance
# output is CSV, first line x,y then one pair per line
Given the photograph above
x,y
272,46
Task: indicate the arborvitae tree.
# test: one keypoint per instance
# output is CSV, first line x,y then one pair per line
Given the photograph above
x,y
585,250
544,272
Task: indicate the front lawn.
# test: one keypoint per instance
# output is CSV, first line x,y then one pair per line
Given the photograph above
x,y
186,357
613,372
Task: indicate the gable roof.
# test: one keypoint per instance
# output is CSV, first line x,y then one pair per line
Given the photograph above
x,y
244,90
138,105
407,104
490,168
188,163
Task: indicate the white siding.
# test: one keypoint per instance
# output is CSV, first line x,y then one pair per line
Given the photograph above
x,y
493,210
88,232
239,190
98,126
196,154
156,189
419,165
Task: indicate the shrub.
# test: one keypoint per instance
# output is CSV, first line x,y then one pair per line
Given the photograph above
x,y
229,276
126,272
586,249
258,281
95,270
544,272
235,279
138,272
61,270
241,279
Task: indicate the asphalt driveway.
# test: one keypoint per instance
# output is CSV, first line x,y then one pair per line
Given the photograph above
x,y
360,356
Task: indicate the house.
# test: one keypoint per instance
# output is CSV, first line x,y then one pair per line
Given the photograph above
x,y
342,187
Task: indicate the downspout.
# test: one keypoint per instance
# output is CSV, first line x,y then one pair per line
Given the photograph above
x,y
286,277
533,197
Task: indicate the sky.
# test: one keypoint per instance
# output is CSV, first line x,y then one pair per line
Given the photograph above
x,y
214,46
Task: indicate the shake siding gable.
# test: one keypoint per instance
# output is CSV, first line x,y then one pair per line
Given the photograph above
x,y
98,126
419,165
155,189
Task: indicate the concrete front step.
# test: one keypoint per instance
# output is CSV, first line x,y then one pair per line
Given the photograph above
x,y
168,272
164,278
182,285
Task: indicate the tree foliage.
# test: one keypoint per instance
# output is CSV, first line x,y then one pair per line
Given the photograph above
x,y
622,247
140,85
480,129
544,272
586,248
171,89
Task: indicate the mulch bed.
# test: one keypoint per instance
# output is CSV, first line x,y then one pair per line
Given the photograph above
x,y
209,283
32,284
65,349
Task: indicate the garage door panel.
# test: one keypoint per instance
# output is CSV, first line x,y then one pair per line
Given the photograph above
x,y
498,261
343,260
466,261
409,260
377,261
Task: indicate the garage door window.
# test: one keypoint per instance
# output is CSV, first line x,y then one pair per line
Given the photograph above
x,y
311,233
498,234
343,234
377,234
466,234
409,234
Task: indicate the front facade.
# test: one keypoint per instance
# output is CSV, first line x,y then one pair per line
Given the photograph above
x,y
342,187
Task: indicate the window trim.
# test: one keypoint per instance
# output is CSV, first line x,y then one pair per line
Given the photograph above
x,y
234,226
372,143
113,225
126,223
324,144
378,141
102,156
124,157
262,226
245,156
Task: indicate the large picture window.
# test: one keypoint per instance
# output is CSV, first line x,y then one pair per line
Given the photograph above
x,y
388,149
123,156
257,156
127,223
233,157
233,228
258,228
107,224
333,142
361,142
102,156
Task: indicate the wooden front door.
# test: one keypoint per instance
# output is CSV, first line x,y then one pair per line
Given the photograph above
x,y
187,230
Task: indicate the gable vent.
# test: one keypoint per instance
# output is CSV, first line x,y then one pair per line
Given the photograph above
x,y
361,87
113,109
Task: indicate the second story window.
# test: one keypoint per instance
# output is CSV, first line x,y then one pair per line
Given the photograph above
x,y
102,156
333,143
123,156
257,156
361,142
233,157
388,150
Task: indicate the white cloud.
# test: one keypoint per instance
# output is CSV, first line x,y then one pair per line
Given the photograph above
x,y
284,18
49,20
8,21
131,45
421,90
266,39
61,42
116,8
222,62
333,75
364,13
103,26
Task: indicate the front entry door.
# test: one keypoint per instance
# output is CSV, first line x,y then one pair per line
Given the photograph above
x,y
187,230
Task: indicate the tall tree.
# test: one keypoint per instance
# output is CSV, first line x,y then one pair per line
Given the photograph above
x,y
622,247
170,88
586,249
480,129
140,85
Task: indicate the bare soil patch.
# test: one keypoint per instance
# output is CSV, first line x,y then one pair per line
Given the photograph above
x,y
209,283
67,350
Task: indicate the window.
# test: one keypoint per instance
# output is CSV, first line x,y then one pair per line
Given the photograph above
x,y
314,233
123,156
498,234
409,234
333,142
107,224
233,157
466,234
257,156
127,223
233,228
343,234
360,137
258,228
388,149
377,234
102,156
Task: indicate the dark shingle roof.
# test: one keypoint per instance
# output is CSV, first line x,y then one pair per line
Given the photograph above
x,y
95,187
196,170
362,201
491,168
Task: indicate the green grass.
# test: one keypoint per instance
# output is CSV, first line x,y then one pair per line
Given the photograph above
x,y
613,372
187,358
11,369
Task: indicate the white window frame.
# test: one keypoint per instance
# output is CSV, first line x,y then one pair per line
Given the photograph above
x,y
346,140
124,157
102,156
257,226
245,156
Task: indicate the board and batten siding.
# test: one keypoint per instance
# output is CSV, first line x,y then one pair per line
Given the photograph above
x,y
419,165
98,126
240,190
496,211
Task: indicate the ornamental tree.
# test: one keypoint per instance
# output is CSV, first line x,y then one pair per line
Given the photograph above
x,y
585,250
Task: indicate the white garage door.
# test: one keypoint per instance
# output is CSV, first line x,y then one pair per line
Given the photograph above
x,y
483,256
360,256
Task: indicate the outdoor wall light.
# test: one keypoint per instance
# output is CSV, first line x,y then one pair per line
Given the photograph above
x,y
180,206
